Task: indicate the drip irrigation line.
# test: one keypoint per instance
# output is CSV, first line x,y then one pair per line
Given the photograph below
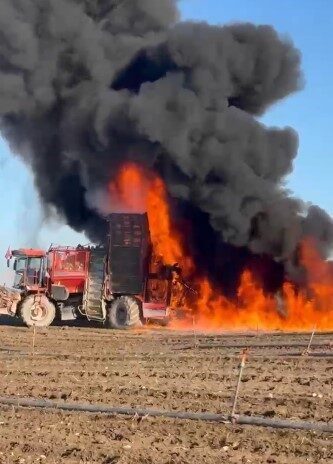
x,y
250,346
10,350
287,354
68,356
311,354
249,334
138,412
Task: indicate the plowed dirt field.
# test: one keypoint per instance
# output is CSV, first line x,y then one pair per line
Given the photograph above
x,y
162,369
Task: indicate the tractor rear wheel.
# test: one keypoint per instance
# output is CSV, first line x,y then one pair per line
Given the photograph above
x,y
37,310
124,313
164,322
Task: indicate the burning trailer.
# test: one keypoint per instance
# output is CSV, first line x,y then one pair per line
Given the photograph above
x,y
122,284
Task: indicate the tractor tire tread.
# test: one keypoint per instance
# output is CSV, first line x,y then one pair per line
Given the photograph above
x,y
25,311
133,313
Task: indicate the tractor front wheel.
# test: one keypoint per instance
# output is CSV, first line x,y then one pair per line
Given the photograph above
x,y
37,310
124,313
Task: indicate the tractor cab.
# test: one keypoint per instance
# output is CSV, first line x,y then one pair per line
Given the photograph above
x,y
29,267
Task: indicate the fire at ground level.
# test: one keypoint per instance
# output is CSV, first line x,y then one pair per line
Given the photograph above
x,y
289,307
146,271
167,370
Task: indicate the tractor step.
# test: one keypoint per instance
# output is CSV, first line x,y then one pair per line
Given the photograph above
x,y
93,303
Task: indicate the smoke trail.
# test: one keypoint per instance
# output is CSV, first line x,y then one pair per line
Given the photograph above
x,y
86,85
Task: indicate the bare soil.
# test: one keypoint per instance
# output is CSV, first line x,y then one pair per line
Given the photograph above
x,y
167,370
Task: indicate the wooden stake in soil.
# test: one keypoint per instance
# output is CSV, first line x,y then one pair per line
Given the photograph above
x,y
245,353
307,351
33,339
194,332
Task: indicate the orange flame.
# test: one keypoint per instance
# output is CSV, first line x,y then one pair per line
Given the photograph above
x,y
139,190
136,190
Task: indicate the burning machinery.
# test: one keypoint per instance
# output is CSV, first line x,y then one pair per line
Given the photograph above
x,y
122,284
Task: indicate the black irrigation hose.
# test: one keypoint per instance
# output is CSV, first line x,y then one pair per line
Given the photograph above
x,y
69,356
10,350
285,354
199,416
310,354
250,346
248,334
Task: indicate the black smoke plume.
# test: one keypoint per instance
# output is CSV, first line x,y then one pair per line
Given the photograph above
x,y
88,84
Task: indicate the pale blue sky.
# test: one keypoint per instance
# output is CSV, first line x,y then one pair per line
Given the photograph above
x,y
309,23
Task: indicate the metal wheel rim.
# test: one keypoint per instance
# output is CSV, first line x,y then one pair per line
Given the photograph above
x,y
38,313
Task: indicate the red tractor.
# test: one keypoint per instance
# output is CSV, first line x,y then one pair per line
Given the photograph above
x,y
122,284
